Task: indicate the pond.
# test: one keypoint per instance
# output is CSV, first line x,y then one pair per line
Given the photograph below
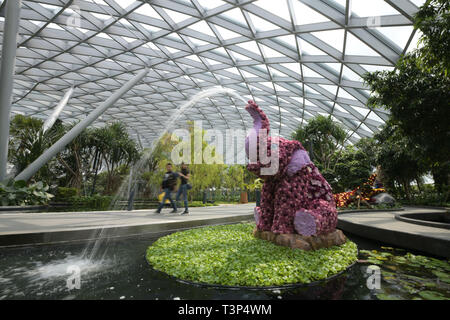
x,y
118,270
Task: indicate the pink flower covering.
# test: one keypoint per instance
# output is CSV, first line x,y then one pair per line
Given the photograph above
x,y
296,192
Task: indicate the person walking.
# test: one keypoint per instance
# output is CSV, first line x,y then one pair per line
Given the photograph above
x,y
168,186
184,187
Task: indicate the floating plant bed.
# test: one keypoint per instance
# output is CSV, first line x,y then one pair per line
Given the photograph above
x,y
230,256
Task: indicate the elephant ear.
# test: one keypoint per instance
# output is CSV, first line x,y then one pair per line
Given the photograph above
x,y
299,159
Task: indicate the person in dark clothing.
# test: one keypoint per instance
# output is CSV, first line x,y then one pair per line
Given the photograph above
x,y
184,187
168,186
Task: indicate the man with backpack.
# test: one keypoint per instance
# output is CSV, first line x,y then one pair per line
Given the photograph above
x,y
168,186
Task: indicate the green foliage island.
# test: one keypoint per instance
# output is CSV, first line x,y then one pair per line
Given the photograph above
x,y
230,255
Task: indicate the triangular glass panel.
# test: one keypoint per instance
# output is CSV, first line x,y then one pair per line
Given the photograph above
x,y
350,74
336,67
364,8
355,46
197,42
334,38
288,41
250,46
279,88
125,3
226,34
309,49
330,88
307,72
398,35
278,8
339,108
194,57
344,94
308,89
211,4
373,116
147,10
305,15
276,73
202,27
176,16
362,111
269,52
295,67
235,15
238,56
262,24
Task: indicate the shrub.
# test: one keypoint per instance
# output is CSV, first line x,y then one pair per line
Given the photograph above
x,y
95,202
17,193
64,194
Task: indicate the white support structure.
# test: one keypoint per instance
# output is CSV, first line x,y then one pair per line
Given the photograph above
x,y
57,111
11,27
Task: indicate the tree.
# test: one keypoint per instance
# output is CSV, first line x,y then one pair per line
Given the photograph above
x,y
354,165
417,92
433,19
116,149
398,156
327,139
27,142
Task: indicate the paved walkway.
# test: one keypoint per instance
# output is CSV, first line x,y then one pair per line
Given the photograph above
x,y
57,227
382,226
28,228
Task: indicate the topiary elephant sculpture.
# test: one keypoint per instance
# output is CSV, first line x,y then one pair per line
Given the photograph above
x,y
295,197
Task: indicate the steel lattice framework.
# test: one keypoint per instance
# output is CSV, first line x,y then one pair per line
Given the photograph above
x,y
296,58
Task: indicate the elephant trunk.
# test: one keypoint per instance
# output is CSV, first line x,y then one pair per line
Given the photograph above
x,y
260,120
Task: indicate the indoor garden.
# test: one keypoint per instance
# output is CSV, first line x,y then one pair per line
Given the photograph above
x,y
307,142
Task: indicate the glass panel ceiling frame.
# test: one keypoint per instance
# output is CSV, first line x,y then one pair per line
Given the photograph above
x,y
291,70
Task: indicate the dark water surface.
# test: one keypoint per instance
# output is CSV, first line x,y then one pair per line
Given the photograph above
x,y
118,270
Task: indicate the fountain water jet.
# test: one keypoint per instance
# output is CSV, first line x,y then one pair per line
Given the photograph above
x,y
91,250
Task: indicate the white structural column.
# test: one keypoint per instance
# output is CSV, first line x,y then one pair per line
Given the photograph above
x,y
12,19
76,130
55,114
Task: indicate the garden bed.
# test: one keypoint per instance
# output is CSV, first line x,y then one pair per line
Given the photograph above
x,y
229,255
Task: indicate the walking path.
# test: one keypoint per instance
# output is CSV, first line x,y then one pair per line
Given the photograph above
x,y
56,227
382,226
50,227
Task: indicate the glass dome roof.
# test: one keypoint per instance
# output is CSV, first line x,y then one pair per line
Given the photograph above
x,y
295,58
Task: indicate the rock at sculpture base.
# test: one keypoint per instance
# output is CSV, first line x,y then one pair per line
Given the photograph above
x,y
297,241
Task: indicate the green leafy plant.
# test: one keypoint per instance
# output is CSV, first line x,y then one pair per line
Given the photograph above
x,y
230,255
18,193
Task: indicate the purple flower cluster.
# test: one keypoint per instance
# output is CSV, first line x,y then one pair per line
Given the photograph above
x,y
292,192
